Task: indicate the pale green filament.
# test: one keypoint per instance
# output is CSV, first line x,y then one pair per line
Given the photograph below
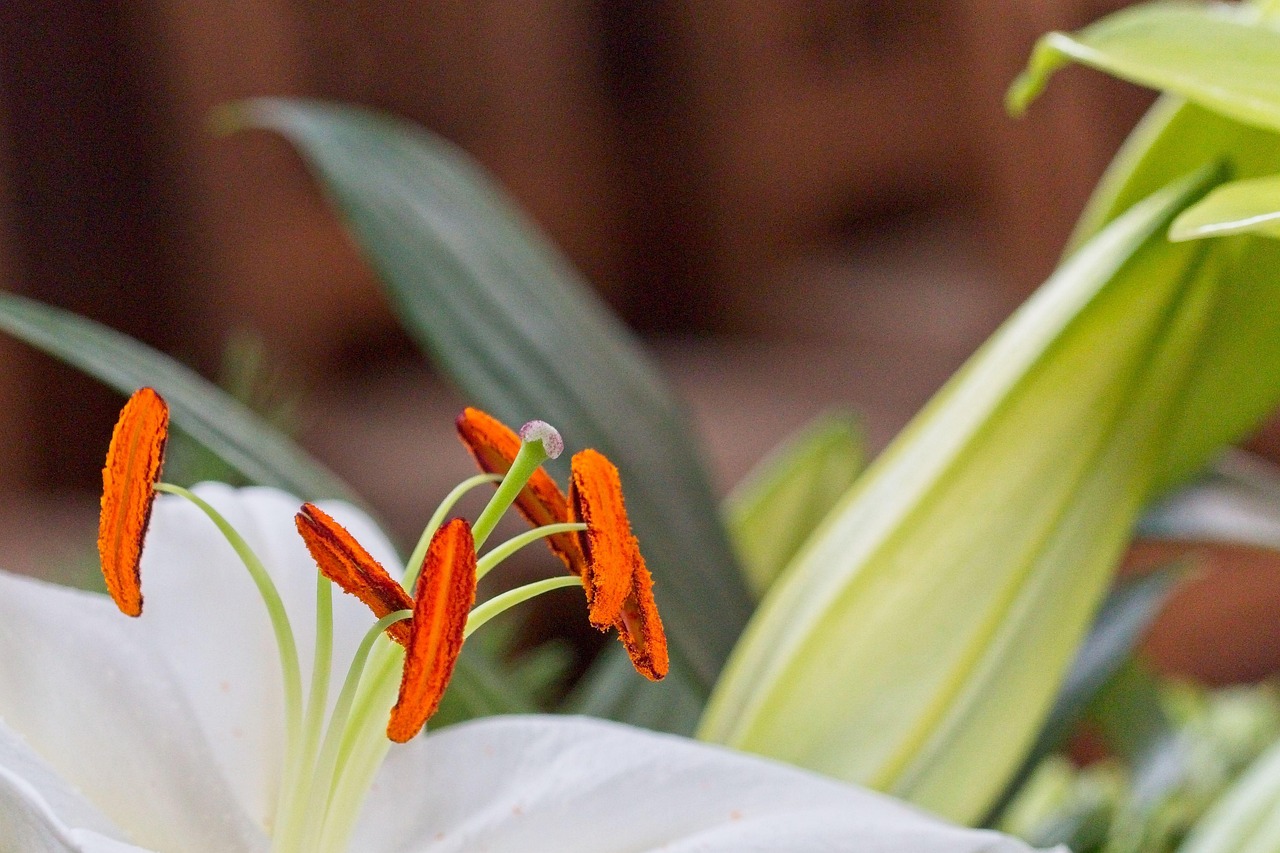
x,y
489,561
414,566
285,643
531,455
512,597
296,809
324,777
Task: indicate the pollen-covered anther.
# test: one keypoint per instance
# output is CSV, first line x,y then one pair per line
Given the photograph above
x,y
618,584
494,447
132,470
344,561
445,593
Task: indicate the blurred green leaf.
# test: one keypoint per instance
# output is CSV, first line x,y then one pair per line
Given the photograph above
x,y
782,500
1237,382
516,329
1121,623
1245,818
1217,55
1173,139
612,690
1239,207
918,643
208,414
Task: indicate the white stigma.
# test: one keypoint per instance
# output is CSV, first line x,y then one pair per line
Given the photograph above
x,y
552,443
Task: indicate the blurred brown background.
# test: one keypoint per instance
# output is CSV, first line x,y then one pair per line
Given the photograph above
x,y
800,203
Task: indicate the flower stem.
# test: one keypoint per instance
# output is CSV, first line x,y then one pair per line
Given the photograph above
x,y
531,455
512,597
323,777
414,566
489,561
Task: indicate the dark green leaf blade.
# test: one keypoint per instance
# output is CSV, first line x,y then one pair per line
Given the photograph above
x,y
515,328
209,415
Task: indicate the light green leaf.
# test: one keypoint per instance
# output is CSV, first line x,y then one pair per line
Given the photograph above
x,y
1173,139
1217,55
1245,818
782,500
1122,622
918,643
1239,207
205,412
516,329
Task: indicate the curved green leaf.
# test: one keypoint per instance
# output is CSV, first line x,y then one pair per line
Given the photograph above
x,y
1238,207
917,644
204,411
515,328
782,500
1217,55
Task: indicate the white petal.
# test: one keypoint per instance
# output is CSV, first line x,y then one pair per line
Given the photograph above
x,y
203,611
72,809
572,784
30,826
103,710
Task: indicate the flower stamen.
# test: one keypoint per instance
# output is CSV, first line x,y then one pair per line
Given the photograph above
x,y
495,446
446,590
134,459
344,561
618,584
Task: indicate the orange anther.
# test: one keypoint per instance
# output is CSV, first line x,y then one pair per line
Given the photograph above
x,y
128,492
494,446
618,584
446,590
344,561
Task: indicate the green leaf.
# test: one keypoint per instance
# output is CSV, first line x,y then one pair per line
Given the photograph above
x,y
517,330
916,645
1217,55
611,689
480,688
205,412
1173,139
1122,622
1236,381
782,500
1239,207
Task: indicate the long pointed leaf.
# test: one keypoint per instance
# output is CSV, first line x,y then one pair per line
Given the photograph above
x,y
1239,207
782,500
1217,55
209,415
508,320
916,645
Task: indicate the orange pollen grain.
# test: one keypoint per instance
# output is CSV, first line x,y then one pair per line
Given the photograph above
x,y
618,584
494,446
444,596
132,470
344,561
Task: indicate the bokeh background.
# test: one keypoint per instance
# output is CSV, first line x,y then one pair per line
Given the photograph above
x,y
799,204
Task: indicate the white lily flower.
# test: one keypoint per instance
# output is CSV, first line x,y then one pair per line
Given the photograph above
x,y
166,732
